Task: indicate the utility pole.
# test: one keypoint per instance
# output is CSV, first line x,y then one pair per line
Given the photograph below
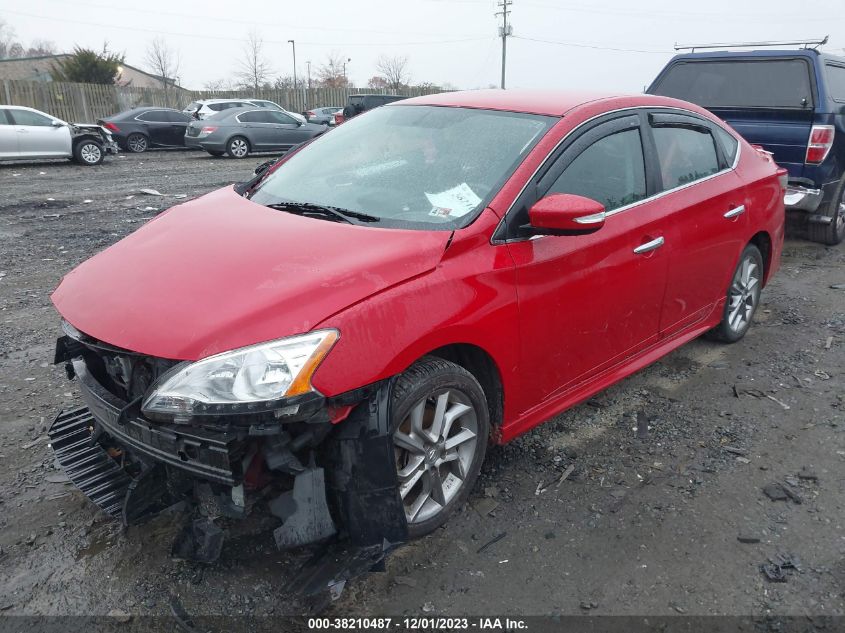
x,y
504,31
293,44
308,66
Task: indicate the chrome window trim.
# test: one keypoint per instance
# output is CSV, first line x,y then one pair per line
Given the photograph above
x,y
609,214
238,116
136,117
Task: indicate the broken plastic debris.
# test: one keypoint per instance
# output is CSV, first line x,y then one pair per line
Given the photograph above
x,y
151,192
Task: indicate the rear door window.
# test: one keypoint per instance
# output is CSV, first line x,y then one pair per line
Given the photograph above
x,y
766,83
836,82
685,154
610,171
4,120
156,116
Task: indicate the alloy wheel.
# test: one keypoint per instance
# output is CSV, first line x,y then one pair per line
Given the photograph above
x,y
744,294
435,446
137,143
238,147
90,153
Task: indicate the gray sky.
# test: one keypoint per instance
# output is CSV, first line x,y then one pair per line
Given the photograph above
x,y
450,41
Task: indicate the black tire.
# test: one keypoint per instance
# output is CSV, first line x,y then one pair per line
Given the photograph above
x,y
424,383
88,152
741,303
834,232
238,147
215,153
137,143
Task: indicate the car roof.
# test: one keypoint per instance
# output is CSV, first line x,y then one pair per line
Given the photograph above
x,y
759,53
546,102
207,101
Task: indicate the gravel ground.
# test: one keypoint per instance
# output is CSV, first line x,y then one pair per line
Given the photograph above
x,y
662,513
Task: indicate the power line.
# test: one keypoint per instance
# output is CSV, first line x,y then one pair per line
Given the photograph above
x,y
238,39
227,20
594,46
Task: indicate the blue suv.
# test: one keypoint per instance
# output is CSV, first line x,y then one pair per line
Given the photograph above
x,y
792,103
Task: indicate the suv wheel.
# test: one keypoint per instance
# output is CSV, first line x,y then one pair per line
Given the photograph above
x,y
237,147
743,297
441,426
834,232
137,143
88,152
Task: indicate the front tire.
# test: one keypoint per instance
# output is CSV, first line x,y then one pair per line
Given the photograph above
x,y
88,152
137,143
834,232
237,147
743,297
441,425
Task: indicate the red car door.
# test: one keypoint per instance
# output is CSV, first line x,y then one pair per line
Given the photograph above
x,y
589,301
705,206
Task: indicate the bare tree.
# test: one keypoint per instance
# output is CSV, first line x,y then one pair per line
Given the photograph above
x,y
220,84
164,62
332,74
394,70
254,69
11,48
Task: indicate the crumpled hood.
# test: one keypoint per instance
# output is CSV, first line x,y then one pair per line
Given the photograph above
x,y
220,272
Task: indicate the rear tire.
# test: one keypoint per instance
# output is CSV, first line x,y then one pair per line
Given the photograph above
x,y
440,430
237,147
137,143
743,297
88,152
834,232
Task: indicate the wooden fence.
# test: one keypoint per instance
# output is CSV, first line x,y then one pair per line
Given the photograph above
x,y
85,103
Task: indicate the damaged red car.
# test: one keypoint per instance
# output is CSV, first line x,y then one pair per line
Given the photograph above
x,y
338,341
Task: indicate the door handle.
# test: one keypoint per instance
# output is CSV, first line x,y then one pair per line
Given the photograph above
x,y
735,212
649,246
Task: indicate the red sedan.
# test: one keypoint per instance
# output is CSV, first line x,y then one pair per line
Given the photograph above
x,y
352,328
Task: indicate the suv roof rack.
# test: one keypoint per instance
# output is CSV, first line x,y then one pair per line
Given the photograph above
x,y
808,43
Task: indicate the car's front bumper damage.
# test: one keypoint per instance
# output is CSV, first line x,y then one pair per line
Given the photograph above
x,y
327,473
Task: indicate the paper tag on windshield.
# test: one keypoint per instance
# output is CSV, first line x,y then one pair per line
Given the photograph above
x,y
454,202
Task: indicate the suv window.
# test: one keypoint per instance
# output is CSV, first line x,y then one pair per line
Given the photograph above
x,y
685,154
26,117
157,116
610,171
769,83
836,81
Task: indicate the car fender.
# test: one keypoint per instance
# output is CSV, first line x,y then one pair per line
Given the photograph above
x,y
469,298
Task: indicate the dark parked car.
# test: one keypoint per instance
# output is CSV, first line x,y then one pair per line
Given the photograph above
x,y
339,340
139,129
361,103
788,101
240,131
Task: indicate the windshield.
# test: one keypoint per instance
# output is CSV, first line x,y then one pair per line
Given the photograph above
x,y
420,167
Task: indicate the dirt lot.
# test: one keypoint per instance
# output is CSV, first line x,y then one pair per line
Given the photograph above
x,y
649,522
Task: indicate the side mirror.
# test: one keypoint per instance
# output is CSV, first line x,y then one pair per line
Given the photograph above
x,y
57,124
566,214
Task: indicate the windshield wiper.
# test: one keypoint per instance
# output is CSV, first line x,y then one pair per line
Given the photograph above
x,y
307,208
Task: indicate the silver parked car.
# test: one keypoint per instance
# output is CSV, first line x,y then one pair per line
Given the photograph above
x,y
322,114
26,134
204,108
241,131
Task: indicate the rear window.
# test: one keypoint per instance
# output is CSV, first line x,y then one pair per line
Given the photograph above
x,y
193,106
836,81
770,83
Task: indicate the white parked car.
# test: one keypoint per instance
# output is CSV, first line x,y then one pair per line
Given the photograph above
x,y
204,108
26,133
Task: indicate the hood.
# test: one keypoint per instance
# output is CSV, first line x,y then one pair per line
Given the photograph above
x,y
220,272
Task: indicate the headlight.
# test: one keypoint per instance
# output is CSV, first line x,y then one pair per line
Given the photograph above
x,y
248,380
